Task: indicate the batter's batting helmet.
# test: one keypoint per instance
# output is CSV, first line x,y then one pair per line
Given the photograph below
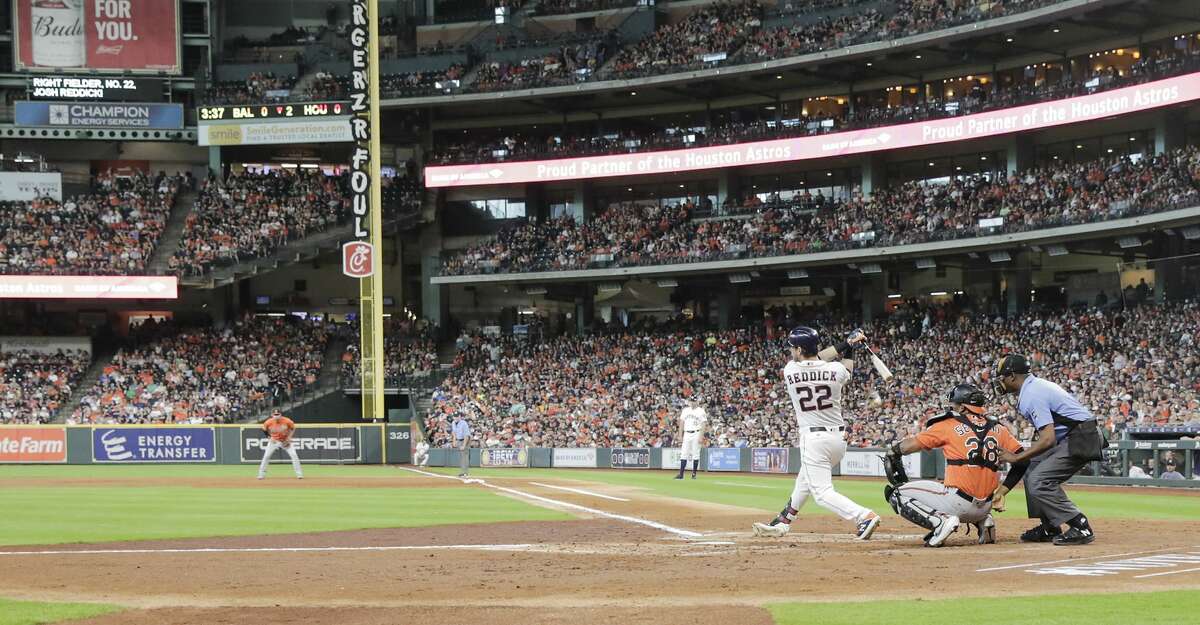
x,y
805,339
970,396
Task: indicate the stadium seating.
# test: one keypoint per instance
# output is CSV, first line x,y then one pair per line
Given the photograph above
x,y
35,385
623,387
206,375
527,145
410,349
1058,193
255,89
111,231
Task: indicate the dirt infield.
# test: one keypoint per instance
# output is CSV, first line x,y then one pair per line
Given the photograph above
x,y
590,570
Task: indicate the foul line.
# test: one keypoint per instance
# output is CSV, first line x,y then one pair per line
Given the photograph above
x,y
59,552
1166,573
578,491
554,502
1115,555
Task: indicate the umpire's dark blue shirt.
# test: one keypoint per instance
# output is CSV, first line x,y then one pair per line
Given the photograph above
x,y
1041,400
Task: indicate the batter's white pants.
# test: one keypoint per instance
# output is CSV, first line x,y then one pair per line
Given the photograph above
x,y
270,451
421,459
945,500
691,447
819,453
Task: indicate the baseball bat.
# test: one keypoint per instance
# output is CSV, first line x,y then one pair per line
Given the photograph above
x,y
881,368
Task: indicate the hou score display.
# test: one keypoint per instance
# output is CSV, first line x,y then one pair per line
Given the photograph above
x,y
270,111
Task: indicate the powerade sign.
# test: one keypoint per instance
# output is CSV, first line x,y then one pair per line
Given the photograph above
x,y
724,459
76,115
631,458
159,444
312,444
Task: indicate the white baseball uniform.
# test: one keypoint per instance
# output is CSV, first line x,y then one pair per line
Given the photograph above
x,y
815,387
694,422
421,454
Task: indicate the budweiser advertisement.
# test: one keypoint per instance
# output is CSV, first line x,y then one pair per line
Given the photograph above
x,y
33,444
97,35
89,287
358,259
1147,96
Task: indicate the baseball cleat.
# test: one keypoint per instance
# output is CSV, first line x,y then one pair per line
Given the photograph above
x,y
1075,536
1040,534
867,527
987,531
943,531
261,477
679,477
299,477
693,476
774,531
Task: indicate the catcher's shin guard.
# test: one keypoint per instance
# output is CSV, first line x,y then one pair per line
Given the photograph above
x,y
912,510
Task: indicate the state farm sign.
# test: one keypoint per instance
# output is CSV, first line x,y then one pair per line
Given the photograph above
x,y
40,445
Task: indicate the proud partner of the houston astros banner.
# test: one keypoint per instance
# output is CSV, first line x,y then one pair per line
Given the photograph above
x,y
976,126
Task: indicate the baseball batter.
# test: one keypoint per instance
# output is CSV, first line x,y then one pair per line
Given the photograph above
x,y
815,385
692,423
971,443
280,429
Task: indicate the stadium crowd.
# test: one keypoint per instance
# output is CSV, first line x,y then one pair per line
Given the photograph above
x,y
568,63
112,230
481,148
1057,193
623,387
410,349
174,374
34,385
257,88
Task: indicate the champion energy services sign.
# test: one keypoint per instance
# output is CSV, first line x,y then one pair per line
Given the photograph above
x,y
1147,96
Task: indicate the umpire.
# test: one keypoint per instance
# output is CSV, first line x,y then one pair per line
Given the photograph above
x,y
1067,439
462,441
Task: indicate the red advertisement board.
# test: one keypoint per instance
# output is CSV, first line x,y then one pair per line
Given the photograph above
x,y
1151,95
33,444
97,35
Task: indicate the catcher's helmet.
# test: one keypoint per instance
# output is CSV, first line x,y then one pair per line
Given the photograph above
x,y
805,339
969,396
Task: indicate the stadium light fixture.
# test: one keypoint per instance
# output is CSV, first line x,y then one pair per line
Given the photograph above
x,y
1055,249
829,292
1128,242
536,290
870,268
1191,233
1000,256
895,296
926,263
739,278
937,293
797,274
609,287
668,283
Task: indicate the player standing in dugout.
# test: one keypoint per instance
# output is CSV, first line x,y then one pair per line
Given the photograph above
x,y
1067,439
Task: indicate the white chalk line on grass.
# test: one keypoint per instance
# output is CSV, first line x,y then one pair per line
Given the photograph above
x,y
563,504
1166,573
579,491
743,485
60,552
1103,557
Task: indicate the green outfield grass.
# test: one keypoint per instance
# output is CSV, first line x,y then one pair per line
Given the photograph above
x,y
37,613
1149,608
768,493
40,513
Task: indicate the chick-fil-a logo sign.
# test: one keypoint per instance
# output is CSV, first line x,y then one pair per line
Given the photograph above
x,y
358,259
977,126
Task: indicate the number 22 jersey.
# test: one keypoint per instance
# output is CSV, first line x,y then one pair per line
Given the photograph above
x,y
815,387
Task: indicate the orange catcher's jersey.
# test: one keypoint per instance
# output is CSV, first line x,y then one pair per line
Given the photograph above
x,y
280,428
960,442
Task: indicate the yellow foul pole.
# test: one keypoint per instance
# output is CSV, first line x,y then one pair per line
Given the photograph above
x,y
362,259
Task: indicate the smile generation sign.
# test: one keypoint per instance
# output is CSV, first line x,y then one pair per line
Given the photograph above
x,y
976,126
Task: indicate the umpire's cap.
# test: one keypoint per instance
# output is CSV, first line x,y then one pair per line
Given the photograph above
x,y
805,339
970,396
1012,363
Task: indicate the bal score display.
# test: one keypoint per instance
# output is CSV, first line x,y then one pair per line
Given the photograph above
x,y
273,111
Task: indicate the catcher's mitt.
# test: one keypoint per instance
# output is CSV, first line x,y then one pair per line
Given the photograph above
x,y
893,466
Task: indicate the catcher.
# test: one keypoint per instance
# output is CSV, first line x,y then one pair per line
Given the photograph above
x,y
971,444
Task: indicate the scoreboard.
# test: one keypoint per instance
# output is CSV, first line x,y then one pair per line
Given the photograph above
x,y
272,111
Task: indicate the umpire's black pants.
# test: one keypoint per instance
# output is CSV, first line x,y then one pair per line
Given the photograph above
x,y
1044,494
